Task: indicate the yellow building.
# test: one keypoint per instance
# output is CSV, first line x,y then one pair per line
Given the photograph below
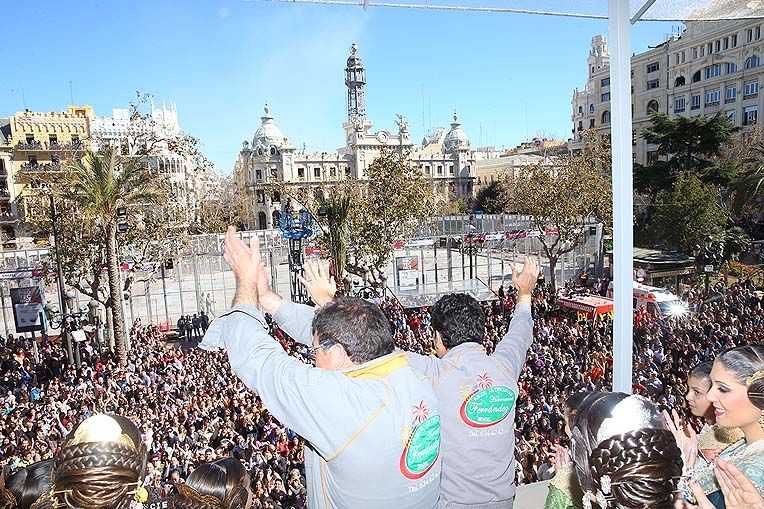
x,y
39,143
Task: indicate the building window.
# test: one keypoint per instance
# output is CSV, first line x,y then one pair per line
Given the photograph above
x,y
259,174
726,43
652,106
683,56
591,108
679,82
730,93
752,62
580,110
679,104
695,102
733,40
652,156
710,48
696,77
694,53
30,138
731,67
712,71
451,169
591,123
260,196
757,33
274,173
440,169
332,171
427,169
605,82
301,173
653,84
749,115
652,67
317,172
605,117
712,97
730,114
605,96
749,35
347,171
718,46
751,89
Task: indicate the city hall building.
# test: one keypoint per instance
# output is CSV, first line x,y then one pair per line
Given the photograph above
x,y
445,158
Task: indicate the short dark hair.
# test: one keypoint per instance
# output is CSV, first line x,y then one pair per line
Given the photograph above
x,y
359,326
459,319
702,371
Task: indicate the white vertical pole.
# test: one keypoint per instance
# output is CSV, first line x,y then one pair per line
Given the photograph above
x,y
623,197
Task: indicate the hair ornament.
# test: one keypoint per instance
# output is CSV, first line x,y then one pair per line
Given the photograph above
x,y
605,484
586,501
756,376
601,499
193,495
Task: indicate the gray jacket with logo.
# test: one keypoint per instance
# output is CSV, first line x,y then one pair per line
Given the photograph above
x,y
372,433
477,396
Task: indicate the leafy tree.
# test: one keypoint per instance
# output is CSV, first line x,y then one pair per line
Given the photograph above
x,y
489,198
215,213
388,207
687,213
691,144
562,194
746,155
100,184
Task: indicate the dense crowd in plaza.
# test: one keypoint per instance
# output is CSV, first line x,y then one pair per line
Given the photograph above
x,y
190,408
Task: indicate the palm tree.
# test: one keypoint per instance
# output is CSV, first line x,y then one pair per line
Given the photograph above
x,y
100,184
336,206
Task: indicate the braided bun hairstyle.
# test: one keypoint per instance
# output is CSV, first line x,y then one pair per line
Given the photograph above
x,y
592,410
644,467
100,465
221,484
746,363
30,484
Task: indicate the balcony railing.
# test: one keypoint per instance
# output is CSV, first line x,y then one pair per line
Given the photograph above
x,y
54,145
40,167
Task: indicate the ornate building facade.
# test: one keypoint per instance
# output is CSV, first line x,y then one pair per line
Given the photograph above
x,y
712,67
447,160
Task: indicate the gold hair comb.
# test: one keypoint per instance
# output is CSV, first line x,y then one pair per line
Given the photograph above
x,y
756,376
193,495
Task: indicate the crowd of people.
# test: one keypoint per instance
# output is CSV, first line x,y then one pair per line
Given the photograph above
x,y
190,409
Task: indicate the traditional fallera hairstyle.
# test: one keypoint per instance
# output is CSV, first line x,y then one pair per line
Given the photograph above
x,y
624,454
100,465
746,363
29,487
221,484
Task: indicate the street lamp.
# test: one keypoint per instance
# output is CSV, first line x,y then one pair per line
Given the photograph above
x,y
59,270
93,306
707,256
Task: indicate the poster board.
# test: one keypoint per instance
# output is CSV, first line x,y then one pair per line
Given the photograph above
x,y
27,308
407,271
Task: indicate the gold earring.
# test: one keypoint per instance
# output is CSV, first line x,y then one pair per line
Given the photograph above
x,y
761,420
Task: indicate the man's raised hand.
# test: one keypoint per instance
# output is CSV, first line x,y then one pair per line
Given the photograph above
x,y
320,288
245,261
525,281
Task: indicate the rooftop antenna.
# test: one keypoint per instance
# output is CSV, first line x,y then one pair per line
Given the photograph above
x,y
424,128
71,95
23,98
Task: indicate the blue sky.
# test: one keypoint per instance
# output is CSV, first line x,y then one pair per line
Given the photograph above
x,y
509,76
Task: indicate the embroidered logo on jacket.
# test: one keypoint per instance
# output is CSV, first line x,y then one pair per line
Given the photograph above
x,y
421,443
485,404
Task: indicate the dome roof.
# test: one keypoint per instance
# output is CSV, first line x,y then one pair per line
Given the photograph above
x,y
268,133
456,137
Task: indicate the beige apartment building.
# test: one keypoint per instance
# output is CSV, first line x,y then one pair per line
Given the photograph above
x,y
712,67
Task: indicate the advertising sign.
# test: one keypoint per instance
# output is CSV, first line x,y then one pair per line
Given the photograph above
x,y
407,271
27,308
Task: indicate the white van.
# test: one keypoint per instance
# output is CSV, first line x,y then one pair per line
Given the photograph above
x,y
659,302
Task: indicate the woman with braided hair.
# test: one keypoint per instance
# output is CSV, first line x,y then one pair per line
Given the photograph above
x,y
100,465
737,395
29,488
625,457
221,484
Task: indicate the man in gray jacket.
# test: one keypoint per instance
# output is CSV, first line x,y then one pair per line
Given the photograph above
x,y
476,392
370,421
477,395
